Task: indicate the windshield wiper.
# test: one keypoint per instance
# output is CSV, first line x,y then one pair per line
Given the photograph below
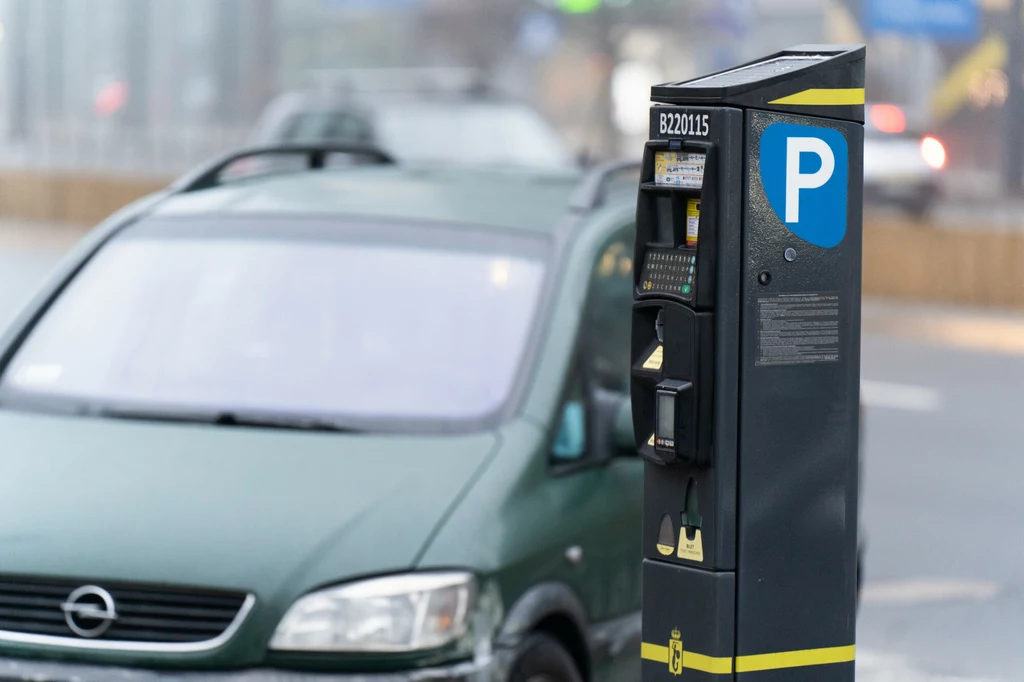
x,y
227,418
280,421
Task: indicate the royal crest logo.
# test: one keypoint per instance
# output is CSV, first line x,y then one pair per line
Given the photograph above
x,y
675,653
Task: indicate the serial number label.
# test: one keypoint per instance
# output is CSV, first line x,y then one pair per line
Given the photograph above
x,y
682,123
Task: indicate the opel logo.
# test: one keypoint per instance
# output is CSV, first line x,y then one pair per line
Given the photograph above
x,y
89,611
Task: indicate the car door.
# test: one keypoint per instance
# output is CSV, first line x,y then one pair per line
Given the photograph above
x,y
602,483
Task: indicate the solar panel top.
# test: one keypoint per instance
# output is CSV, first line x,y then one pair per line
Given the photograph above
x,y
756,72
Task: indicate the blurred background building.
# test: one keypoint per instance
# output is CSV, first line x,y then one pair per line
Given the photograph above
x,y
152,86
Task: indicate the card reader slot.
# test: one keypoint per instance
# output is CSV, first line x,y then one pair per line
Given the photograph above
x,y
672,369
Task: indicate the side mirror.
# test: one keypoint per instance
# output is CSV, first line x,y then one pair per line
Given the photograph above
x,y
612,424
571,440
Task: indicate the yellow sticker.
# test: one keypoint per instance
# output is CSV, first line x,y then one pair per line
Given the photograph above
x,y
692,221
654,362
692,550
650,441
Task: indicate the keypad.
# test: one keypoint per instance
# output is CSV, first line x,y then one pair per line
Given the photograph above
x,y
669,271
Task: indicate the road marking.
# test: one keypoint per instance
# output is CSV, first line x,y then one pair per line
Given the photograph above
x,y
928,591
969,332
877,667
900,396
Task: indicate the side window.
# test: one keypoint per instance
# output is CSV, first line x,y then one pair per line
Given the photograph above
x,y
603,344
605,334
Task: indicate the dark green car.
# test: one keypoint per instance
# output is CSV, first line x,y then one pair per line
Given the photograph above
x,y
359,423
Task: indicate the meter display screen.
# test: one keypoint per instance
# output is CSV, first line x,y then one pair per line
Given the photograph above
x,y
665,429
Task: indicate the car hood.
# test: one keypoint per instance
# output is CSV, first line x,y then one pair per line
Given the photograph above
x,y
272,512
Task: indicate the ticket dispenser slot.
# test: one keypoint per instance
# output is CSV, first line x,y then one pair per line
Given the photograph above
x,y
673,382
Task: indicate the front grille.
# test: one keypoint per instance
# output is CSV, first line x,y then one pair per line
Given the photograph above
x,y
145,613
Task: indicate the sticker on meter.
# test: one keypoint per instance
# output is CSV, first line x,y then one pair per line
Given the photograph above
x,y
804,172
692,550
679,169
654,361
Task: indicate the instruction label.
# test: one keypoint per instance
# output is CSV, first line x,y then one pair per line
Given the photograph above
x,y
679,169
690,549
794,329
654,362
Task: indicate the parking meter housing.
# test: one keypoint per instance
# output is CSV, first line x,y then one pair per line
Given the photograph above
x,y
745,374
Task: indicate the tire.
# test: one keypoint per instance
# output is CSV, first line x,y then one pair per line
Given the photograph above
x,y
920,205
918,209
542,658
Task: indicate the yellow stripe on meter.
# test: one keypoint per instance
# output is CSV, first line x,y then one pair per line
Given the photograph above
x,y
796,659
722,665
824,97
716,665
654,652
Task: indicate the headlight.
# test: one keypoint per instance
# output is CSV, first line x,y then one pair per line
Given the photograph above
x,y
397,613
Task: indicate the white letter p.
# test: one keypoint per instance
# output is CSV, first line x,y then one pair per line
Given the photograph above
x,y
796,181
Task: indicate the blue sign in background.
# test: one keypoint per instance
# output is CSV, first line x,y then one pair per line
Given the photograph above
x,y
820,207
948,20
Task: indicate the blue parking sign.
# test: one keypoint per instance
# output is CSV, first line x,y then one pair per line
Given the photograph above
x,y
949,20
805,173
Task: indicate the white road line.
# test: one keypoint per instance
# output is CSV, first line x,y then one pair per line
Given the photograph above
x,y
900,396
877,667
928,591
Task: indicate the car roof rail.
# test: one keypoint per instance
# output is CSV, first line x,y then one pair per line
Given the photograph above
x,y
593,189
208,175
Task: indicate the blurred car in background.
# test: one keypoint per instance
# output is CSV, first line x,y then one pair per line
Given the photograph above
x,y
360,423
415,115
901,167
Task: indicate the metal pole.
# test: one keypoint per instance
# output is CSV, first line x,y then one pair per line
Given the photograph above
x,y
18,71
1014,111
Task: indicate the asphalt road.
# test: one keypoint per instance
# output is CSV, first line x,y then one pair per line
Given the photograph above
x,y
944,466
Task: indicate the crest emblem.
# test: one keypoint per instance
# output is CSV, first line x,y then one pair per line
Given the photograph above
x,y
675,653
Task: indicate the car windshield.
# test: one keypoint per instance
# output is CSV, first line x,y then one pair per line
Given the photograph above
x,y
389,325
488,133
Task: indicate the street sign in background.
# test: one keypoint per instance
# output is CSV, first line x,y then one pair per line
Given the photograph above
x,y
946,20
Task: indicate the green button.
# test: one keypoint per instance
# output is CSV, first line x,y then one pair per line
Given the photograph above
x,y
686,288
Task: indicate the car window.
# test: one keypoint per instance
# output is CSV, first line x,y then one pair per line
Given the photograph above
x,y
606,331
326,126
473,133
380,327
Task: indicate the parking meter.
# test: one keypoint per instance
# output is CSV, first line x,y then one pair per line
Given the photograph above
x,y
746,365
